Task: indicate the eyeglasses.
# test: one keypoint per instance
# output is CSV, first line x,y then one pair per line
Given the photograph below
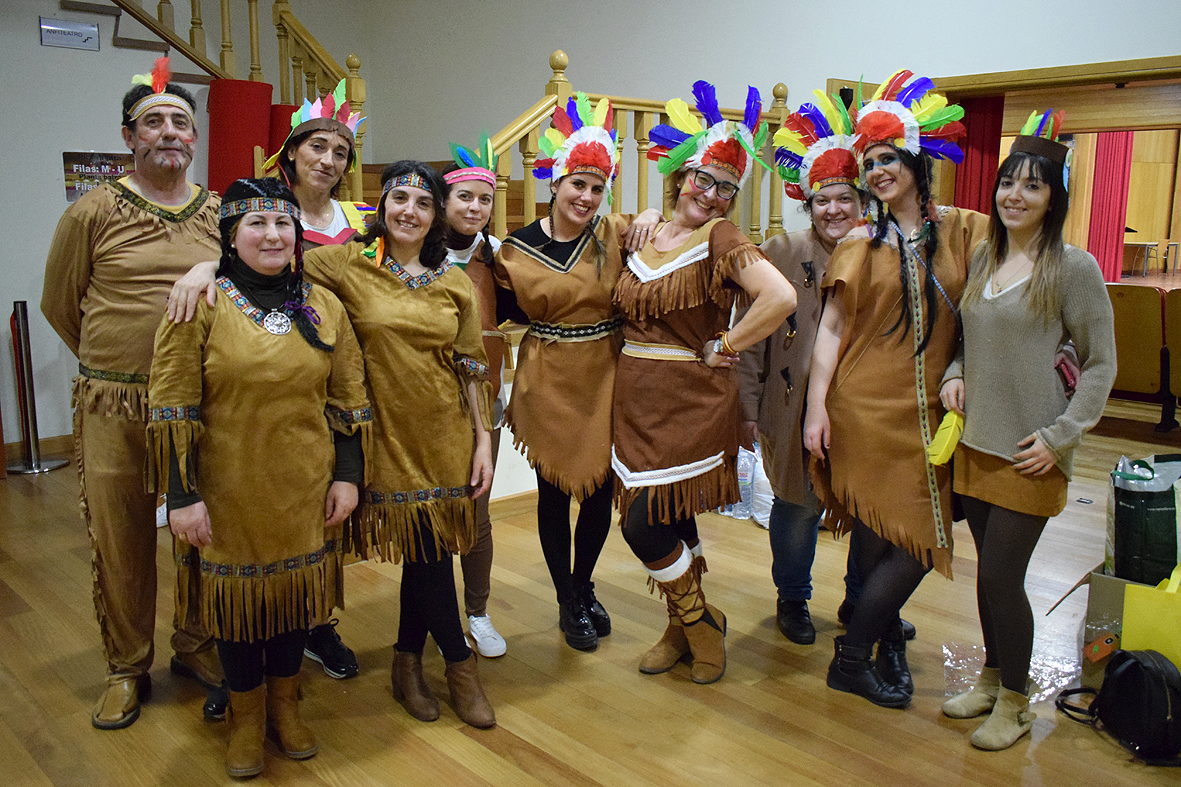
x,y
705,181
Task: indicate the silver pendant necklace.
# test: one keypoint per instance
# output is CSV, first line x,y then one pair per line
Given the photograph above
x,y
277,323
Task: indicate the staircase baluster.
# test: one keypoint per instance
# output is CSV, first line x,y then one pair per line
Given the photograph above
x,y
775,198
227,44
196,31
255,58
165,13
354,91
529,148
297,73
504,167
619,124
643,126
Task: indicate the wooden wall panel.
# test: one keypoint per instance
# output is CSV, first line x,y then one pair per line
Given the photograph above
x,y
1099,107
1151,184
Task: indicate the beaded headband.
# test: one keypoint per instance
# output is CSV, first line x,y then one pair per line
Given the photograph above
x,y
257,205
408,179
471,173
582,139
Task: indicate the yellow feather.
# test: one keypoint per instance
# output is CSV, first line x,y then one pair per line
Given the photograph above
x,y
825,105
787,138
1030,124
931,103
943,444
877,94
678,113
601,111
555,136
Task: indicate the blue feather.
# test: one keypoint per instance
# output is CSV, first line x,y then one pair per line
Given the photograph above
x,y
1041,126
467,158
915,91
707,101
941,148
572,113
754,108
819,121
667,135
785,158
543,174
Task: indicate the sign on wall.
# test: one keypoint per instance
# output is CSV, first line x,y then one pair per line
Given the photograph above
x,y
87,170
71,35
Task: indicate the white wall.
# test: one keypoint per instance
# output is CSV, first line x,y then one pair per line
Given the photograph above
x,y
442,71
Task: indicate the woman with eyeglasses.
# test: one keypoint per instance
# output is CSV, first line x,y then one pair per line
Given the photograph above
x,y
887,333
676,425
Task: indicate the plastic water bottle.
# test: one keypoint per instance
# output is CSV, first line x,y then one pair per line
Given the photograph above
x,y
746,472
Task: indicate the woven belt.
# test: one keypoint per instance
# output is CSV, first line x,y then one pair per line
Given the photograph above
x,y
576,333
113,377
659,352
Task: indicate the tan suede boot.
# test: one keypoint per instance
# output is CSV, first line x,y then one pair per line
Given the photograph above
x,y
410,687
672,649
294,737
704,626
1010,719
247,718
977,700
467,695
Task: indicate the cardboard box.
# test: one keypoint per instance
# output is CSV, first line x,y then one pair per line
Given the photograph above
x,y
1105,616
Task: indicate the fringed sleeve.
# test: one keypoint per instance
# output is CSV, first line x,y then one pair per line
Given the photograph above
x,y
175,393
471,362
730,250
348,408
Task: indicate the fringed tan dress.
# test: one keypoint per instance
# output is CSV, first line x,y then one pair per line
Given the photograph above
x,y
250,416
422,343
676,419
883,402
560,410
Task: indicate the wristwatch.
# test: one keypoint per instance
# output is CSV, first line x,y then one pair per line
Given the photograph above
x,y
718,348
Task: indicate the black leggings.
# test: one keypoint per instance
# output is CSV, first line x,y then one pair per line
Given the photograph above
x,y
246,663
1005,541
889,575
590,533
652,543
428,601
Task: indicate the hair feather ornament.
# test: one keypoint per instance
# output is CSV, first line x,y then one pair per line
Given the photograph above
x,y
332,113
158,81
722,143
581,140
814,148
911,117
474,164
1039,136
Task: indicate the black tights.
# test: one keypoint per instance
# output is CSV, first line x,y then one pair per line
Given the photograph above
x,y
889,575
245,663
590,533
429,604
652,543
1005,541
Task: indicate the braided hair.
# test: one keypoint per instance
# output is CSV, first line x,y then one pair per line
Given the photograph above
x,y
485,254
248,188
920,167
434,246
600,249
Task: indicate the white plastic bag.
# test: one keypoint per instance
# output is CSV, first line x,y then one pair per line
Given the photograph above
x,y
763,496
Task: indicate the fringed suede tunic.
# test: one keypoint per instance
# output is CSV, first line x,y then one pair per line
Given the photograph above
x,y
881,417
249,414
676,419
422,343
560,410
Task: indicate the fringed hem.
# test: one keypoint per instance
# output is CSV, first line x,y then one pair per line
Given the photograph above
x,y
684,288
842,510
162,437
682,499
109,398
393,531
724,268
248,609
577,489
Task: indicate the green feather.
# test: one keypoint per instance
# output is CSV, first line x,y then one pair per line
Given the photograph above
x,y
846,121
860,101
943,117
338,95
546,147
751,151
585,111
489,153
679,155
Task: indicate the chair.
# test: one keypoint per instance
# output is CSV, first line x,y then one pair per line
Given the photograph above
x,y
1139,337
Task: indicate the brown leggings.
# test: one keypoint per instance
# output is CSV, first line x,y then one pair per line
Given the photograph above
x,y
476,565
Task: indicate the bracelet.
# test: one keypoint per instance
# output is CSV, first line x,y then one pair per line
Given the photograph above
x,y
725,340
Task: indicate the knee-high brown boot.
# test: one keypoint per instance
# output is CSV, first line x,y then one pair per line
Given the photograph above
x,y
248,721
702,624
294,737
672,649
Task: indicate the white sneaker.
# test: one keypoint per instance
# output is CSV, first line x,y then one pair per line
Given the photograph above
x,y
489,643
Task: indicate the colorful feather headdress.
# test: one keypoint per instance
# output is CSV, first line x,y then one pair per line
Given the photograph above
x,y
581,140
1039,136
814,148
330,114
722,143
912,117
474,165
157,81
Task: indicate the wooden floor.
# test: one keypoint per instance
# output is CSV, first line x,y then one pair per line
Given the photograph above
x,y
1155,278
568,718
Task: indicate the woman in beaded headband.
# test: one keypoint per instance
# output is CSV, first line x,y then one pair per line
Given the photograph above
x,y
887,332
257,439
1027,293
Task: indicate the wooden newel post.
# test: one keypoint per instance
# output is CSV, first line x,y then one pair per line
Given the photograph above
x,y
775,203
354,91
558,85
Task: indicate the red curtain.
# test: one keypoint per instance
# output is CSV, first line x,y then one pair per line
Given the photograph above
x,y
1109,201
239,119
976,175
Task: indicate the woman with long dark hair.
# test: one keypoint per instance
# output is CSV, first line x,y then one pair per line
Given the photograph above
x,y
256,388
1027,293
888,330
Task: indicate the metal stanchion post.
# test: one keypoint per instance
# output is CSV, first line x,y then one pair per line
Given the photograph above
x,y
33,463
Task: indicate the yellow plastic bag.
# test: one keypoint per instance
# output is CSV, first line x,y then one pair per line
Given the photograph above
x,y
1152,617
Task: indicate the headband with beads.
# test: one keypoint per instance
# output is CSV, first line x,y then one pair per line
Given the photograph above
x,y
257,205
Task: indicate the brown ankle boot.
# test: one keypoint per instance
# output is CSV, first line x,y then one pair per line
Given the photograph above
x,y
294,737
672,648
704,626
467,695
410,687
247,717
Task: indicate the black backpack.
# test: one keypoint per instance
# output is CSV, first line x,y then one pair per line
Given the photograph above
x,y
1139,705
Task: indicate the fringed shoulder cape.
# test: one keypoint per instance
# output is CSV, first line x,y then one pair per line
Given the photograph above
x,y
676,419
250,416
422,343
560,410
883,401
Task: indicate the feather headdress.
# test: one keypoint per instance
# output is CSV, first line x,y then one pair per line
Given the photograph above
x,y
912,117
722,143
814,148
157,81
332,113
473,164
581,140
1039,136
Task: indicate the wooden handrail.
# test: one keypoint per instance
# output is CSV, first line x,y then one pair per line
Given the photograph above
x,y
137,12
316,62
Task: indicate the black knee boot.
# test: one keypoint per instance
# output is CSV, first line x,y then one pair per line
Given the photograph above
x,y
891,661
853,671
